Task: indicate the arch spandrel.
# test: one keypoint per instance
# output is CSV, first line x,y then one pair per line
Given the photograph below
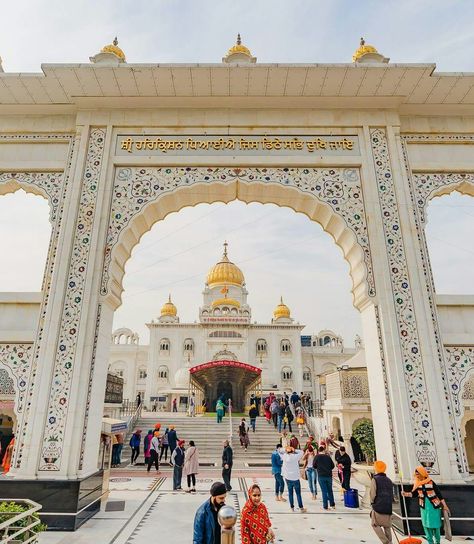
x,y
48,185
434,185
330,196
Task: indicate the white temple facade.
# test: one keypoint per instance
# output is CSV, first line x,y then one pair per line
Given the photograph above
x,y
160,372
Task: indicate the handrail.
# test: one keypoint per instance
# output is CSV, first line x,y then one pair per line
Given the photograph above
x,y
134,417
131,409
8,526
230,421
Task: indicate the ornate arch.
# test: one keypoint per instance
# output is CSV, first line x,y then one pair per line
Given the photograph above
x,y
330,196
423,187
15,359
52,186
429,186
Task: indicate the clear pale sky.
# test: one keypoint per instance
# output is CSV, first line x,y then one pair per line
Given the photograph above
x,y
280,252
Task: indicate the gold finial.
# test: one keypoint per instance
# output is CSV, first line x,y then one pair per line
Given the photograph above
x,y
114,49
169,297
281,299
363,49
239,40
225,248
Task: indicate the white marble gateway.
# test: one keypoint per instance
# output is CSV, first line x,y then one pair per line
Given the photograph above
x,y
359,147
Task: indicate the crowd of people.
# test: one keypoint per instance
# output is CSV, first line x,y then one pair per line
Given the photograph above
x,y
293,460
156,445
255,523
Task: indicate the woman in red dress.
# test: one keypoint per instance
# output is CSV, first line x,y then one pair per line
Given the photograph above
x,y
255,524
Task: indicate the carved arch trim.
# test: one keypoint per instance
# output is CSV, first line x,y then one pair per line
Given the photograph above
x,y
331,197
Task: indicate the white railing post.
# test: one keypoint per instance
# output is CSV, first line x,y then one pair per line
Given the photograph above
x,y
230,421
20,526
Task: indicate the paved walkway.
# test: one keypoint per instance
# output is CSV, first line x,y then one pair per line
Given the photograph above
x,y
144,508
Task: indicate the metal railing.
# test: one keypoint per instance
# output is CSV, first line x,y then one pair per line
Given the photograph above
x,y
230,421
21,525
131,409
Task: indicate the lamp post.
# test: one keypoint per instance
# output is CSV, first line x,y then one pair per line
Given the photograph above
x,y
227,518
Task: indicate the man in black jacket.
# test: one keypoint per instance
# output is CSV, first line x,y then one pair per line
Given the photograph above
x,y
324,466
381,499
227,459
344,464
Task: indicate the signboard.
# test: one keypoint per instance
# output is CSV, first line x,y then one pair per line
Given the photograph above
x,y
217,364
117,427
288,145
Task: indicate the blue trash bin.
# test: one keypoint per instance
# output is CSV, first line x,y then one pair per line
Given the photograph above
x,y
351,498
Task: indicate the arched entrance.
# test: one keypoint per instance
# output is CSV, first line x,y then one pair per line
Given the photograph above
x,y
113,211
226,380
469,443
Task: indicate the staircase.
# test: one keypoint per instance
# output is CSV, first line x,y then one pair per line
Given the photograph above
x,y
208,436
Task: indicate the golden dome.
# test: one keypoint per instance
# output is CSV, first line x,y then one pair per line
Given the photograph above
x,y
281,310
225,273
169,309
239,48
226,301
363,49
114,49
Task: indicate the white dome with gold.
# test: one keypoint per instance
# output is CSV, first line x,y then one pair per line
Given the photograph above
x,y
169,312
282,312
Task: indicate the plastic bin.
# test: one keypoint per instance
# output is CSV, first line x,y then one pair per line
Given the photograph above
x,y
351,498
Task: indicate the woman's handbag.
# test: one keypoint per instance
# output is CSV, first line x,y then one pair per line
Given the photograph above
x,y
299,421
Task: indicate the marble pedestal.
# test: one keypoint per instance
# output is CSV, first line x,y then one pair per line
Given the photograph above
x,y
67,504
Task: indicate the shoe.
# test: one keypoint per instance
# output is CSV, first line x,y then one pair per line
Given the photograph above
x,y
277,498
292,509
193,490
283,499
332,508
303,510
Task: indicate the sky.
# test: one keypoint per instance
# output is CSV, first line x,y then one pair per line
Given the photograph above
x,y
48,31
281,253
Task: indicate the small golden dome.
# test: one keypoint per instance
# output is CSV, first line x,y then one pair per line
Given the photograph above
x,y
114,49
363,49
239,48
225,273
169,309
281,310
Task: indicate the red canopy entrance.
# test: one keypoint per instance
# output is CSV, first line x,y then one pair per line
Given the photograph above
x,y
226,379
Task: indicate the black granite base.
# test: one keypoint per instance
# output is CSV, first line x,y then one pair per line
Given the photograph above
x,y
459,498
67,504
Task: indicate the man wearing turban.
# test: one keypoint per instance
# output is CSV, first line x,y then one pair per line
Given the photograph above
x,y
381,499
206,526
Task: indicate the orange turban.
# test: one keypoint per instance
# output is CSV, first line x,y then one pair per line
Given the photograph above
x,y
379,467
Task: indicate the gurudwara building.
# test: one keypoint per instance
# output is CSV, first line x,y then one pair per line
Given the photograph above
x,y
360,147
224,352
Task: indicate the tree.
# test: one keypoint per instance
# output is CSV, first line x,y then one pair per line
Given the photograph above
x,y
363,432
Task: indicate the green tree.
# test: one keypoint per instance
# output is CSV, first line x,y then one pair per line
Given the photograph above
x,y
363,432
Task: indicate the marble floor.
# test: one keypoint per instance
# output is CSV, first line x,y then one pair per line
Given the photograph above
x,y
143,508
